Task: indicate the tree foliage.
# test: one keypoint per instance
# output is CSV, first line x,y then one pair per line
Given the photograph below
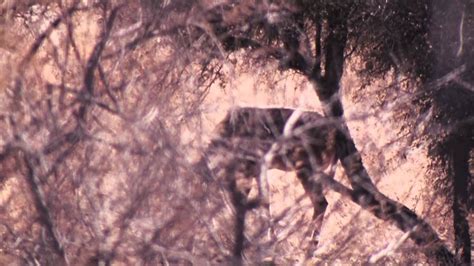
x,y
96,95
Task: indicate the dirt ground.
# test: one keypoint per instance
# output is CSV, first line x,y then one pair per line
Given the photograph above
x,y
348,231
344,222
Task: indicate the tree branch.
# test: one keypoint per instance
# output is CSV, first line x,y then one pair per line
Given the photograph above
x,y
327,87
364,192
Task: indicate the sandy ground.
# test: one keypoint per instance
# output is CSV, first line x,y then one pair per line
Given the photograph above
x,y
344,221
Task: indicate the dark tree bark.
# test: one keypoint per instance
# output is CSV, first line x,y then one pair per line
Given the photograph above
x,y
364,192
459,157
452,35
324,70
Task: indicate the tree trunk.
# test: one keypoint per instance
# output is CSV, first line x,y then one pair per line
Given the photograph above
x,y
364,191
452,35
460,170
326,84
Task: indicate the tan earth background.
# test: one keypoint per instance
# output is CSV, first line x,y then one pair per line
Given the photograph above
x,y
349,234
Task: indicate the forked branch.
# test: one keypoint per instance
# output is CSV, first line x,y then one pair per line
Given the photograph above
x,y
325,74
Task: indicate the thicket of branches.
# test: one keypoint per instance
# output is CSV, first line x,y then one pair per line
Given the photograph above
x,y
96,95
92,165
